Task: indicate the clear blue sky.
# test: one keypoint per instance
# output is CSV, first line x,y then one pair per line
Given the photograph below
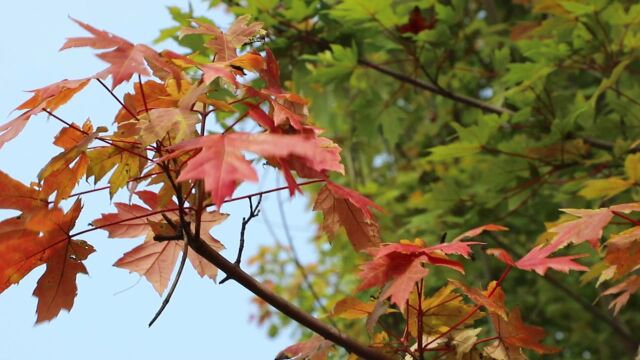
x,y
203,319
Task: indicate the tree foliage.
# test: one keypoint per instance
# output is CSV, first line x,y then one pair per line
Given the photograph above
x,y
459,117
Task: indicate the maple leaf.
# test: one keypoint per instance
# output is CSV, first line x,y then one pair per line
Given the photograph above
x,y
479,230
270,73
17,196
57,289
156,95
514,335
40,236
178,123
402,265
155,260
222,166
152,259
59,175
316,348
623,251
352,308
464,341
128,160
131,220
624,291
417,23
125,59
482,298
49,97
343,206
589,225
539,261
226,44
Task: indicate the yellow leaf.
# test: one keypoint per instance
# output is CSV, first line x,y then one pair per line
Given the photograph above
x,y
442,310
352,308
604,188
632,167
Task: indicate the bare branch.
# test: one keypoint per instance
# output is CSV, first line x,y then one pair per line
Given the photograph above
x,y
253,213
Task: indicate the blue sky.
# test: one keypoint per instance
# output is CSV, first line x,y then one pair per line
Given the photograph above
x,y
203,319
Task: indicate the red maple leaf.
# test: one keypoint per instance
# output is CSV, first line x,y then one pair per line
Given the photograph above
x,y
316,348
514,335
125,59
589,225
131,220
539,261
417,23
479,230
222,165
402,265
343,206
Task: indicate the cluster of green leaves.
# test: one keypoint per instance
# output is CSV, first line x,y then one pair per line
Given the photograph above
x,y
462,113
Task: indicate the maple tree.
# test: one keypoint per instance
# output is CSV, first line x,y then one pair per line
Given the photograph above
x,y
176,146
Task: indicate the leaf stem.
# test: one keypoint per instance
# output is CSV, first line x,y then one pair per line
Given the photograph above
x,y
474,310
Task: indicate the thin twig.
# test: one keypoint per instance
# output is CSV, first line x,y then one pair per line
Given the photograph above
x,y
97,138
437,90
172,289
185,229
254,211
118,99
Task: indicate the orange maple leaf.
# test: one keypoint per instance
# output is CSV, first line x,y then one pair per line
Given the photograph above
x,y
49,97
40,235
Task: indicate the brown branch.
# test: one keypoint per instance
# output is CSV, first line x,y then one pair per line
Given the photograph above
x,y
266,192
254,211
437,90
284,306
118,99
596,143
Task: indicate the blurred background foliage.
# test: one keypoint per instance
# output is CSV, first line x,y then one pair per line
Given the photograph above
x,y
458,113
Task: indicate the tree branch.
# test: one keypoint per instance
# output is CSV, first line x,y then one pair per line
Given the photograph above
x,y
287,308
254,211
596,143
437,90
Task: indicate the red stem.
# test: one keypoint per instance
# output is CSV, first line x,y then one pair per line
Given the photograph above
x,y
420,324
97,138
473,311
117,99
267,192
156,212
629,219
